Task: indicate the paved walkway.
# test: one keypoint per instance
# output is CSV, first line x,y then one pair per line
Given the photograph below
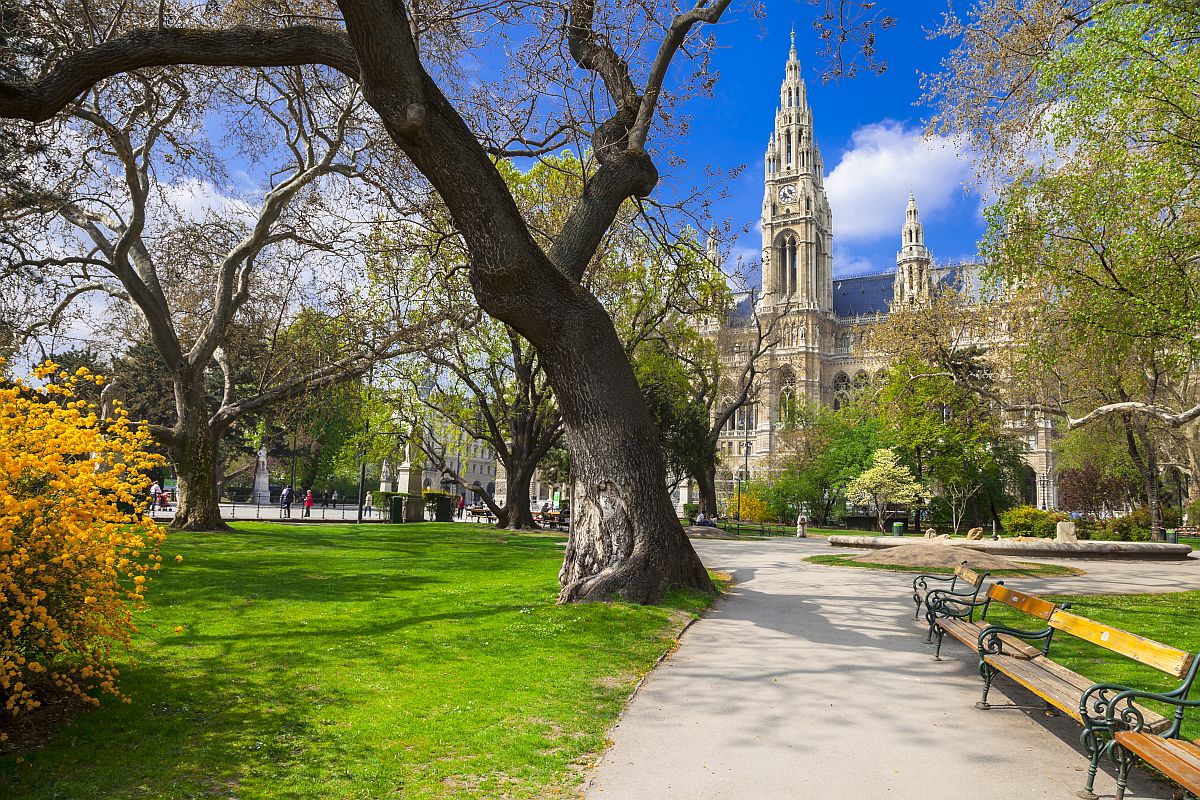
x,y
813,682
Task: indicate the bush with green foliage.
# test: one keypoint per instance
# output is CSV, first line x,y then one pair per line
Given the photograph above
x,y
1030,521
691,511
1133,527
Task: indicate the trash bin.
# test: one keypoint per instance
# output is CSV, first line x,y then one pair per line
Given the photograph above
x,y
897,529
1172,536
396,507
443,508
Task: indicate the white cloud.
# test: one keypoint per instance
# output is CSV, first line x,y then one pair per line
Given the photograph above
x,y
869,187
196,199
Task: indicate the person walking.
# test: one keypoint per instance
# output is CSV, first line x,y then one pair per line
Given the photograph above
x,y
334,498
155,491
462,504
369,505
285,503
308,503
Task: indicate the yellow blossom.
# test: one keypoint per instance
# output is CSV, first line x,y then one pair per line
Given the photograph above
x,y
72,569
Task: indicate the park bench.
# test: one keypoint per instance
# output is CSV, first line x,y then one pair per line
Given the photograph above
x,y
950,615
963,584
552,521
1105,710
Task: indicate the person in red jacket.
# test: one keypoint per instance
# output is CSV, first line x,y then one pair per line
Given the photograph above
x,y
308,501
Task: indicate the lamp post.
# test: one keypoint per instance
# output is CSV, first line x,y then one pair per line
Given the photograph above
x,y
745,474
293,483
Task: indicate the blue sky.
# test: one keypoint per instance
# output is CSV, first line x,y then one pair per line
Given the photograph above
x,y
868,128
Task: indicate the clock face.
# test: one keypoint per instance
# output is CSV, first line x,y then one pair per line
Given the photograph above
x,y
787,194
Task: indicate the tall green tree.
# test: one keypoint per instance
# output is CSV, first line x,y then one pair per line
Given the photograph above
x,y
821,450
1086,116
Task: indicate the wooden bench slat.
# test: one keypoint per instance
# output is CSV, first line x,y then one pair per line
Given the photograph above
x,y
1162,657
965,632
1034,606
968,634
1061,687
1045,684
1177,759
969,575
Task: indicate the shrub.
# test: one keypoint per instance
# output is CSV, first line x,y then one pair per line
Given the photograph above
x,y
691,511
1030,521
75,548
753,507
1133,527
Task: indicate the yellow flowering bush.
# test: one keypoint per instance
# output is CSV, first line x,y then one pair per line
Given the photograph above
x,y
753,507
75,548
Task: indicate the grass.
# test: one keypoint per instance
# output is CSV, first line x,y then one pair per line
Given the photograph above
x,y
1167,618
415,661
1028,570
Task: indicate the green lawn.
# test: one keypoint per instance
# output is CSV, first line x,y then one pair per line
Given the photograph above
x,y
1167,618
415,661
1030,569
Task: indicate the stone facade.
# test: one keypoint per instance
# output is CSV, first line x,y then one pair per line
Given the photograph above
x,y
818,318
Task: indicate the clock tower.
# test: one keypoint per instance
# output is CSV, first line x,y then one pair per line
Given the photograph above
x,y
797,225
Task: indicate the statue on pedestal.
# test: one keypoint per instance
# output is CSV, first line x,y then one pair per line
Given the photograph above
x,y
262,480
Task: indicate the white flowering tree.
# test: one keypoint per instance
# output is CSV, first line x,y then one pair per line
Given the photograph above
x,y
885,481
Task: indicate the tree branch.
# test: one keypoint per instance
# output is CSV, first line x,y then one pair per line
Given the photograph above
x,y
41,99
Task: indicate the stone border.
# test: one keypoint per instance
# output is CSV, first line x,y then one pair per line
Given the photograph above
x,y
1046,549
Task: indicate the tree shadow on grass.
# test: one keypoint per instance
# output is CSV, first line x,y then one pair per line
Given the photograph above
x,y
203,736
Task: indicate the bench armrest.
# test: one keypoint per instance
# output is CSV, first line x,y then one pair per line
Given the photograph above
x,y
951,604
1119,710
922,581
990,642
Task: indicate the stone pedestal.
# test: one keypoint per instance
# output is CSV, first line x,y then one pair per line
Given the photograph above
x,y
408,480
1066,531
262,480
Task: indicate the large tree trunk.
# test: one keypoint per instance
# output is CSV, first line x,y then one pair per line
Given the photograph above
x,y
517,515
1145,459
193,448
625,539
706,485
194,451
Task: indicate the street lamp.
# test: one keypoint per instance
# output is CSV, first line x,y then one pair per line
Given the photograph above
x,y
745,473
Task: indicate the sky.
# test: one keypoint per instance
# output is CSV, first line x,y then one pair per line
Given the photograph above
x,y
869,129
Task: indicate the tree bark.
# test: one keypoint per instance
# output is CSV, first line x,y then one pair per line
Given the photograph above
x,y
706,485
517,515
625,540
193,448
1146,460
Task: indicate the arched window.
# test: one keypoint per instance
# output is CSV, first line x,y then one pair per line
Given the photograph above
x,y
841,390
861,380
788,139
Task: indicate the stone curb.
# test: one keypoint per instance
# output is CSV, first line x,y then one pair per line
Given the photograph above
x,y
1047,549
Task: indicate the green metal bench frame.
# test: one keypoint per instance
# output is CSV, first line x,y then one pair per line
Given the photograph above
x,y
1102,712
1113,704
928,596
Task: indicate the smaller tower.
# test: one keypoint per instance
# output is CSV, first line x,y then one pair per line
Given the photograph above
x,y
914,278
712,248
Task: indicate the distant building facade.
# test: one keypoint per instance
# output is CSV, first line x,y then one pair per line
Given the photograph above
x,y
819,320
